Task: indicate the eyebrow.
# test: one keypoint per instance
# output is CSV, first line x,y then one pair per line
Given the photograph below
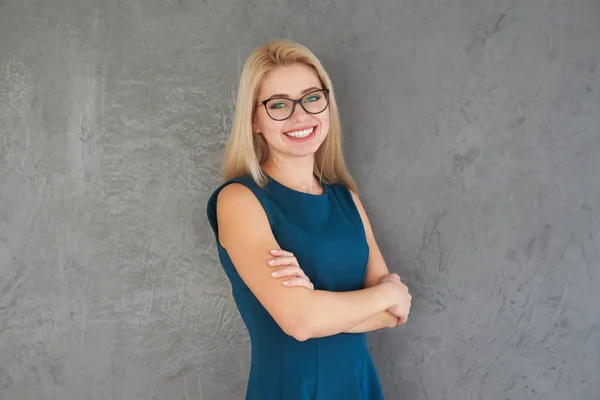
x,y
287,95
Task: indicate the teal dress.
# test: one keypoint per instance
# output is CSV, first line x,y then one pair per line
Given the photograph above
x,y
326,234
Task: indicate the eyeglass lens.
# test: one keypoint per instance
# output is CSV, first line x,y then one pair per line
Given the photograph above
x,y
313,103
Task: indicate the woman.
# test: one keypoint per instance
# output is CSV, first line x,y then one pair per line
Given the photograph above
x,y
293,237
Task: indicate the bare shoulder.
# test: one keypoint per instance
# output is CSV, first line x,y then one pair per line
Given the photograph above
x,y
363,214
358,203
233,194
237,199
239,213
354,196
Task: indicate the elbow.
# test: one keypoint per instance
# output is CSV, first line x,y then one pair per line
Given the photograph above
x,y
300,335
297,327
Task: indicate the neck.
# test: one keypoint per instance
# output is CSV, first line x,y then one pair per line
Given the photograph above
x,y
296,173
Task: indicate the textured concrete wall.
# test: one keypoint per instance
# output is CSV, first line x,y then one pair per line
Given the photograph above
x,y
472,127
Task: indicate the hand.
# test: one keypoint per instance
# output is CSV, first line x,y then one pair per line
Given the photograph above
x,y
402,308
287,267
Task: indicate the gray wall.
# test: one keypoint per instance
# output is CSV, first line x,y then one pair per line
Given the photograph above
x,y
472,127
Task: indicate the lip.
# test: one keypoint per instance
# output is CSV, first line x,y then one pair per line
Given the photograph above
x,y
303,139
301,128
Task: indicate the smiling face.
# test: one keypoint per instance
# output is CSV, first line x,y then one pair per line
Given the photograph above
x,y
301,134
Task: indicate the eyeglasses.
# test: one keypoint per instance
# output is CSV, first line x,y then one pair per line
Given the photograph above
x,y
281,108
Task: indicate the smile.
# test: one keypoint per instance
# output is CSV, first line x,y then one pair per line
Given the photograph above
x,y
300,134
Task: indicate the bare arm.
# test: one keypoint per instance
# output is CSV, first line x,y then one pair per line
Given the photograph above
x,y
376,270
245,233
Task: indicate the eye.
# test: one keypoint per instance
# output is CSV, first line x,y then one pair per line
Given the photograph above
x,y
312,98
277,105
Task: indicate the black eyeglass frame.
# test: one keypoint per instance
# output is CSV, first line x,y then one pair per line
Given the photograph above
x,y
297,101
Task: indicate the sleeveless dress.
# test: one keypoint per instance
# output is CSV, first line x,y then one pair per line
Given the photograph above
x,y
326,234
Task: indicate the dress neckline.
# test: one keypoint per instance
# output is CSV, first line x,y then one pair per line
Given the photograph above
x,y
298,192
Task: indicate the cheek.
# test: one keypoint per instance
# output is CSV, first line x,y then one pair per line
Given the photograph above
x,y
264,124
324,122
270,127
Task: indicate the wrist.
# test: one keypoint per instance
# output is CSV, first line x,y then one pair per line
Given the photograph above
x,y
386,293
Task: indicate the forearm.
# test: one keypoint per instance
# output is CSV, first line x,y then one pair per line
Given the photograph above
x,y
328,313
383,319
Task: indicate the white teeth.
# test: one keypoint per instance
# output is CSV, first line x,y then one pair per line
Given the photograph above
x,y
300,134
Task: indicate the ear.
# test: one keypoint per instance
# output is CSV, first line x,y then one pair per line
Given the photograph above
x,y
255,127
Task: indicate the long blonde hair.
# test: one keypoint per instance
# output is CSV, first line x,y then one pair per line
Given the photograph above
x,y
245,151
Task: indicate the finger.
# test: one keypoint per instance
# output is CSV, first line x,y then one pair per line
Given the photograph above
x,y
302,282
289,271
283,260
404,317
281,252
299,282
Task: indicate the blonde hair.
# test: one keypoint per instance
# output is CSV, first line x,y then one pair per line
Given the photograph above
x,y
245,151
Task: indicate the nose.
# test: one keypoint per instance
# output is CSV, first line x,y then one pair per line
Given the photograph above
x,y
299,114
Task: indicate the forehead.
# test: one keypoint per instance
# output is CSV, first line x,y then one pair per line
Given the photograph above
x,y
290,80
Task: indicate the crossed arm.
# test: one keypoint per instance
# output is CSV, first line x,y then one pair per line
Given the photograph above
x,y
300,312
376,270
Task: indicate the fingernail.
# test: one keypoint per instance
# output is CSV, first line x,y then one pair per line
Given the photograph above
x,y
286,282
275,273
271,262
272,251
